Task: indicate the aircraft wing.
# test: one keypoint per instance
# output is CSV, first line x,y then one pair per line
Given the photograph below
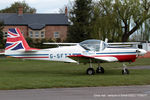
x,y
85,58
124,44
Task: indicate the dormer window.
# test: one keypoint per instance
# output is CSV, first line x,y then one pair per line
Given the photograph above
x,y
37,34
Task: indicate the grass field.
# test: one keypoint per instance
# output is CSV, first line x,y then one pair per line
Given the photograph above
x,y
29,74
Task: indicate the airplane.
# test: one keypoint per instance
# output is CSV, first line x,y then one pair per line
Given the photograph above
x,y
88,51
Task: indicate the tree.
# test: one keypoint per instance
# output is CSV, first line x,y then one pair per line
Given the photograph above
x,y
122,18
1,35
14,8
104,22
145,31
79,17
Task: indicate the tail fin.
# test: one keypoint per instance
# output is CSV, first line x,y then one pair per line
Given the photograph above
x,y
16,41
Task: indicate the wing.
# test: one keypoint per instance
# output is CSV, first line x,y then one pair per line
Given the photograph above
x,y
123,44
84,58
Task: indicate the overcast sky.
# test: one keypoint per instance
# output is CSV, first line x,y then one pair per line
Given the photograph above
x,y
42,6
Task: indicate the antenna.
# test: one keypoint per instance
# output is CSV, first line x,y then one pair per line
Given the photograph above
x,y
56,43
106,40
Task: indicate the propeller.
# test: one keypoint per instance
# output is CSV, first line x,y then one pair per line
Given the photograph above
x,y
141,52
138,52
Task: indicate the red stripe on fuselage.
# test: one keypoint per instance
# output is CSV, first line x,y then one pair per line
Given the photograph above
x,y
121,58
126,57
31,57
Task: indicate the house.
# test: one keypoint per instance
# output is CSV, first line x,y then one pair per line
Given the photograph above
x,y
37,26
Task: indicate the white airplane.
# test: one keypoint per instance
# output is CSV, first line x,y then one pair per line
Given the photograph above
x,y
88,51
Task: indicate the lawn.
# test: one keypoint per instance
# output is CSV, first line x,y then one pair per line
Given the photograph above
x,y
30,74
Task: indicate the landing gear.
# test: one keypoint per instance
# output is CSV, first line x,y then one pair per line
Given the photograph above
x,y
91,71
125,70
99,69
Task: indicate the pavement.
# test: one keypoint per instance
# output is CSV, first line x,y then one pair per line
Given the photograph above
x,y
139,67
84,93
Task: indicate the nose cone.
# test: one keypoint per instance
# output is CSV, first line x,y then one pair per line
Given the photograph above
x,y
142,52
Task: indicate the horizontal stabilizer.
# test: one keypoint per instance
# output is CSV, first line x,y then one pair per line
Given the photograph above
x,y
32,49
2,53
61,43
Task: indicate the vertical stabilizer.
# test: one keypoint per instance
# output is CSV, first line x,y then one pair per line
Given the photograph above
x,y
16,41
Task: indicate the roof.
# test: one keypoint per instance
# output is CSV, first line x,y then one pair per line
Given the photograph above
x,y
34,21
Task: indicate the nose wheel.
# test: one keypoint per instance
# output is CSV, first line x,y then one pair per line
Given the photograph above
x,y
125,70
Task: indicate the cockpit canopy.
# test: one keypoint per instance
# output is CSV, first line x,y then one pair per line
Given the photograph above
x,y
93,45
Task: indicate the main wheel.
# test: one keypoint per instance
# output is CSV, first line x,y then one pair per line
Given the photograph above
x,y
90,71
125,71
100,70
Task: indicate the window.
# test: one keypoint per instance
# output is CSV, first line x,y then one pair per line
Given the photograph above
x,y
5,34
56,34
92,45
36,34
42,34
31,34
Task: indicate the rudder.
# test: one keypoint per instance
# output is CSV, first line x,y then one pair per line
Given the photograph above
x,y
15,40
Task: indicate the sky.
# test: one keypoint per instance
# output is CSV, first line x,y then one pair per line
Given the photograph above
x,y
42,6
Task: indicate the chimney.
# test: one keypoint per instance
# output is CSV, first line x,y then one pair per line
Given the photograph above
x,y
66,11
20,11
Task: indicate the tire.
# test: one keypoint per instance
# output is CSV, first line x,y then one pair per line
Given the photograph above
x,y
126,71
90,71
100,70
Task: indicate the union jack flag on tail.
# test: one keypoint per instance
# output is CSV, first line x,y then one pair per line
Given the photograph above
x,y
16,41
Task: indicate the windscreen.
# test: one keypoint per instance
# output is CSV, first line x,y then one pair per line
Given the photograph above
x,y
92,45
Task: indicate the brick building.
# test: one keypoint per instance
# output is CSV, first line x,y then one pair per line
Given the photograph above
x,y
37,26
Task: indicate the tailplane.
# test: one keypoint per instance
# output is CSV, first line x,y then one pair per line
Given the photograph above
x,y
16,41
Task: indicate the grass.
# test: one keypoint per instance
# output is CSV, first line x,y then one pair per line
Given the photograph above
x,y
29,74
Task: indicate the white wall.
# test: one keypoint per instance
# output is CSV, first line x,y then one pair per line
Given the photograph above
x,y
146,46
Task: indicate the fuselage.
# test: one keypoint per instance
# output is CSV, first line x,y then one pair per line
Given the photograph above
x,y
63,53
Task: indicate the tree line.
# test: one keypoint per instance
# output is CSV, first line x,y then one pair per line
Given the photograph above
x,y
117,20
